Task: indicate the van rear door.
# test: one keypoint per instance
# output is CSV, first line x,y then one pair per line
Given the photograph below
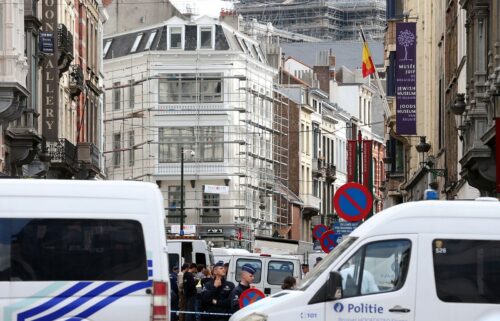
x,y
83,269
379,281
277,270
256,262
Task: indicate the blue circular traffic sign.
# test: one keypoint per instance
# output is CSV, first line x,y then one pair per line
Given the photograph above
x,y
250,296
319,230
353,202
328,241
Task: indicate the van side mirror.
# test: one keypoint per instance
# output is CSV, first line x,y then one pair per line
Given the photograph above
x,y
334,286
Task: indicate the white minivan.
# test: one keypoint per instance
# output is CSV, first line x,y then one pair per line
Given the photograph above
x,y
271,270
186,250
419,261
82,251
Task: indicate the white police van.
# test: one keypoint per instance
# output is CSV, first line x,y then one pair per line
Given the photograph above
x,y
82,251
419,261
271,270
188,250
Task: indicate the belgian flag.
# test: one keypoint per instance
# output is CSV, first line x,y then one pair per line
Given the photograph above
x,y
368,67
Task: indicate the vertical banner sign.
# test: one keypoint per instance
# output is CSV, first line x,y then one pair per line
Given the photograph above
x,y
351,160
50,74
406,78
367,163
497,125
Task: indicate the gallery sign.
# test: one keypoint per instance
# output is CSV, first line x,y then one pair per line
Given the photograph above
x,y
406,78
50,74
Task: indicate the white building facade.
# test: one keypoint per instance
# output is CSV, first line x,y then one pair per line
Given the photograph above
x,y
203,87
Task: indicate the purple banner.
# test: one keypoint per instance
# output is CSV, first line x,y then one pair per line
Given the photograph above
x,y
406,78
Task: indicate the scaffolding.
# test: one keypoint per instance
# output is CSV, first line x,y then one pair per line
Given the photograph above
x,y
325,19
249,123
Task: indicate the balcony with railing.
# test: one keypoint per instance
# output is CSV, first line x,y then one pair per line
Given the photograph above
x,y
331,173
63,155
318,167
76,80
89,156
65,48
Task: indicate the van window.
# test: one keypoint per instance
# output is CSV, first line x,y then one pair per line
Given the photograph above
x,y
187,252
376,267
173,260
278,271
257,265
71,250
467,270
200,259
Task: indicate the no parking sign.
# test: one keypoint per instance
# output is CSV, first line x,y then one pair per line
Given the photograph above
x,y
353,202
329,240
250,296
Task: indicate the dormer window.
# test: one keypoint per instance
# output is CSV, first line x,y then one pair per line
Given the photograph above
x,y
150,40
107,45
136,43
175,38
206,37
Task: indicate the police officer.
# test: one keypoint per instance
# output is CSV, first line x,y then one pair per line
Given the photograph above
x,y
215,296
247,276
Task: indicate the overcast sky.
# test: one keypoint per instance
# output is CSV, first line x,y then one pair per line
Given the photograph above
x,y
202,7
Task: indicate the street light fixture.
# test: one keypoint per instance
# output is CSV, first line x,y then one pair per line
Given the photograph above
x,y
181,229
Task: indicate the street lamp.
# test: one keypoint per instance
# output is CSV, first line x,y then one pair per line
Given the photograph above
x,y
181,229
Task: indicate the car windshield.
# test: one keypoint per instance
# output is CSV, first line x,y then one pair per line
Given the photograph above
x,y
326,263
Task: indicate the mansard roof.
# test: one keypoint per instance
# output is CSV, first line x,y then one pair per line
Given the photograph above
x,y
154,38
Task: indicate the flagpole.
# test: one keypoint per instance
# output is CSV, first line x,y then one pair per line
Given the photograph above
x,y
379,83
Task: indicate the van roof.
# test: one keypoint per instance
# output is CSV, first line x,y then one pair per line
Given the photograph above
x,y
264,255
76,196
453,217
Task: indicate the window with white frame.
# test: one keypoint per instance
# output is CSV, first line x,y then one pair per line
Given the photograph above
x,y
107,45
206,37
150,40
131,143
136,43
116,96
211,203
207,143
190,88
131,93
117,145
175,38
174,203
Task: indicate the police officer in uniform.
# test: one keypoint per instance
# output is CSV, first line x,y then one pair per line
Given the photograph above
x,y
247,276
215,296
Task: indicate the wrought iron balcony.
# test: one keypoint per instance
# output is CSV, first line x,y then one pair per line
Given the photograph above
x,y
331,173
76,80
318,167
65,47
63,154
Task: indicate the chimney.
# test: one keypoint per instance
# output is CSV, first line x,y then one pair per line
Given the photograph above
x,y
331,64
230,17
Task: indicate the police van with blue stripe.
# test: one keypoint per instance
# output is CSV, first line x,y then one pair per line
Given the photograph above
x,y
82,251
418,261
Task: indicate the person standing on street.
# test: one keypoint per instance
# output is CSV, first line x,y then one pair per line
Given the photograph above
x,y
247,277
174,292
190,292
180,285
289,283
305,270
215,295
